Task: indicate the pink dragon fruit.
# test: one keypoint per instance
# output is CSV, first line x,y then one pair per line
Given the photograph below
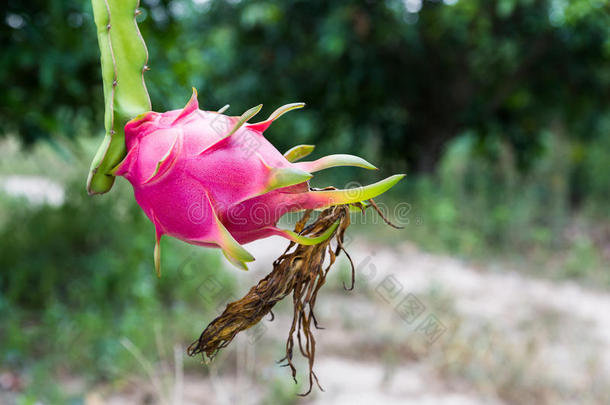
x,y
214,180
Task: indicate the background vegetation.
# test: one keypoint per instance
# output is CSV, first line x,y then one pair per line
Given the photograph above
x,y
499,111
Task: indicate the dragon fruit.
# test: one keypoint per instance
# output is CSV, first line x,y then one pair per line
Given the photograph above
x,y
214,180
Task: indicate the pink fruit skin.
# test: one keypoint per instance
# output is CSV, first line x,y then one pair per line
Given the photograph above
x,y
199,185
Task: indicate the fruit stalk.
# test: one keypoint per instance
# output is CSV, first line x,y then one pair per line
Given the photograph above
x,y
123,57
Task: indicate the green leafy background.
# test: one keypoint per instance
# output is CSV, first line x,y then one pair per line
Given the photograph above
x,y
499,111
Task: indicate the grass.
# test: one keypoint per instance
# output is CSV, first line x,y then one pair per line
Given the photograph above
x,y
484,209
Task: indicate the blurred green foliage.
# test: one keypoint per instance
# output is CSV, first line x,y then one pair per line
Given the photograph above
x,y
50,69
481,206
78,277
396,79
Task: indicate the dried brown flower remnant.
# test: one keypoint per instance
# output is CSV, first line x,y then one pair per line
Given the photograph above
x,y
300,270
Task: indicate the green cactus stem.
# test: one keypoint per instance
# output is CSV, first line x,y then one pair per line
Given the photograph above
x,y
123,59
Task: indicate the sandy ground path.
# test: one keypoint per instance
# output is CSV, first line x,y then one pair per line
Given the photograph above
x,y
453,320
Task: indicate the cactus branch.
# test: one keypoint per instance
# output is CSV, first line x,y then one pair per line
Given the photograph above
x,y
123,57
